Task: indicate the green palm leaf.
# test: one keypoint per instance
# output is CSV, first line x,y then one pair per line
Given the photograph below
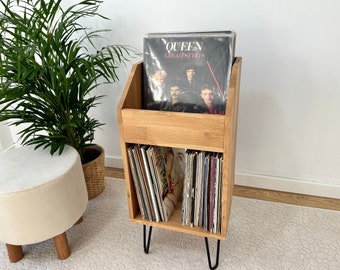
x,y
48,73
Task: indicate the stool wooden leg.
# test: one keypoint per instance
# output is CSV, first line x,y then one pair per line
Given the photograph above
x,y
80,220
61,246
14,252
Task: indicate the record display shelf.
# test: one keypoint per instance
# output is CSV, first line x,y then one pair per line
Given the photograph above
x,y
205,132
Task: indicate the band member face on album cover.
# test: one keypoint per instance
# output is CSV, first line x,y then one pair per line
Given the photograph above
x,y
191,81
207,96
190,74
159,77
158,85
212,104
175,92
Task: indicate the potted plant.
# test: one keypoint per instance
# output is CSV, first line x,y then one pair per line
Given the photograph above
x,y
49,69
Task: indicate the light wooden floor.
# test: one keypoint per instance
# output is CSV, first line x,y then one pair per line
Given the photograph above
x,y
264,194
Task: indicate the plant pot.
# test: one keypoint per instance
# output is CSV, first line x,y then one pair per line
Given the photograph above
x,y
94,170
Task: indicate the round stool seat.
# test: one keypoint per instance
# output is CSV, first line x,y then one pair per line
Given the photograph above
x,y
41,196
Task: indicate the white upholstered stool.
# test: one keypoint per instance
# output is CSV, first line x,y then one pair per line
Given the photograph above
x,y
41,197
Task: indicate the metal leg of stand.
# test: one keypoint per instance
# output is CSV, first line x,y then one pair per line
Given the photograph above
x,y
146,243
217,253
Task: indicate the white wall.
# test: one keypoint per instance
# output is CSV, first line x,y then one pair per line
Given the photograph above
x,y
6,139
289,126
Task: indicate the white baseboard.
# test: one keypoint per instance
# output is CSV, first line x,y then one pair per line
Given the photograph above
x,y
267,182
114,162
288,185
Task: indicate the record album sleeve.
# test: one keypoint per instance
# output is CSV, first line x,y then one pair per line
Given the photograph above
x,y
187,72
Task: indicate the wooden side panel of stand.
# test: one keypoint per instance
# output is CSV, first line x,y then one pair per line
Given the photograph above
x,y
184,130
229,152
132,94
131,98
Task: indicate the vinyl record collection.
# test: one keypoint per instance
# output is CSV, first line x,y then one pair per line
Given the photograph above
x,y
201,205
164,176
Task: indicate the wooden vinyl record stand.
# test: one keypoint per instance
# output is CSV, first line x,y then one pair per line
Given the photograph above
x,y
208,132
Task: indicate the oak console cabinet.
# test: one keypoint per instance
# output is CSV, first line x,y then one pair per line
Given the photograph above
x,y
208,132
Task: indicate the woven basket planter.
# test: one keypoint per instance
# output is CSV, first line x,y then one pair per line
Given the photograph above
x,y
94,171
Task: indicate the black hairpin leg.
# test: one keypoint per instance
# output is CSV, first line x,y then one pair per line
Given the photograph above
x,y
208,253
146,243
